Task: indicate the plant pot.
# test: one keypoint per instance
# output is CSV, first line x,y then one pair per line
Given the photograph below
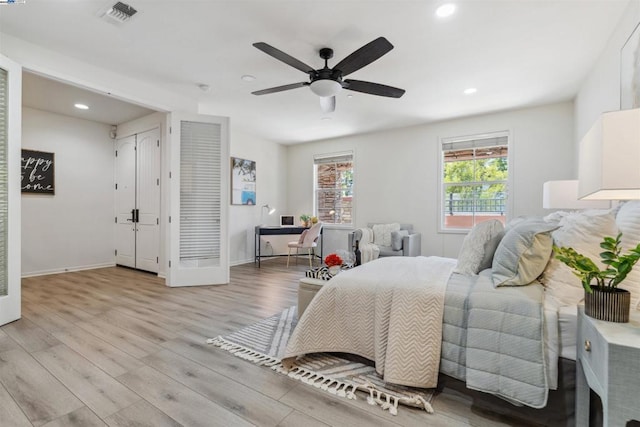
x,y
610,304
334,269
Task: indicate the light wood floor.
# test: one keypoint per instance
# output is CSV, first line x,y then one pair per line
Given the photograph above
x,y
116,347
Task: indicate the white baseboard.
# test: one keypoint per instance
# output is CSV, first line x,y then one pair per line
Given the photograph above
x,y
240,262
67,269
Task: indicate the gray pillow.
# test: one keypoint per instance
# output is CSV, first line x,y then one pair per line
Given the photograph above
x,y
478,247
523,253
396,239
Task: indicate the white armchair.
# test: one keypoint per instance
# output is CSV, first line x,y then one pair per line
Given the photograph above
x,y
406,242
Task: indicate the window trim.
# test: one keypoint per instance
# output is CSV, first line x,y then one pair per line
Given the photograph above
x,y
441,184
334,155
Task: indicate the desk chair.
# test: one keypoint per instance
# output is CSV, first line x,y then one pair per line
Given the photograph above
x,y
308,240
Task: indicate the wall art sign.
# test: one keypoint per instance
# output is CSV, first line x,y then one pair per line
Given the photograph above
x,y
243,181
630,71
37,172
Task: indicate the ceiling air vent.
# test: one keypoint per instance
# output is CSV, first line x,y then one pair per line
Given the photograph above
x,y
120,12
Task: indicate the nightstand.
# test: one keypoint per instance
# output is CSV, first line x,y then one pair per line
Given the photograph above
x,y
608,362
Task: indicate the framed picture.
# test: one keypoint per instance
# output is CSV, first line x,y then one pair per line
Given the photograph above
x,y
37,172
243,181
630,71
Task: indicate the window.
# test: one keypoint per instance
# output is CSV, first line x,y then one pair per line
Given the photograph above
x,y
475,173
333,188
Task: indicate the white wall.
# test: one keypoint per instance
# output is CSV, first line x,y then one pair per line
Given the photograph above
x,y
74,228
396,172
600,92
271,178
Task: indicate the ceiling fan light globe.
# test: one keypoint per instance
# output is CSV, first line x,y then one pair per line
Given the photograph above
x,y
325,87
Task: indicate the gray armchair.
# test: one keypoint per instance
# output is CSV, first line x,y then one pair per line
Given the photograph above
x,y
402,245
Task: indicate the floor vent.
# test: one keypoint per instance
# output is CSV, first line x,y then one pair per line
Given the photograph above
x,y
120,12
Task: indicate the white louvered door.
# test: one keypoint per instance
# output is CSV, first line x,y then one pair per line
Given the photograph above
x,y
10,150
199,201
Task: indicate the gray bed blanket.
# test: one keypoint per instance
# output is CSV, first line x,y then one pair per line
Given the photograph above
x,y
494,339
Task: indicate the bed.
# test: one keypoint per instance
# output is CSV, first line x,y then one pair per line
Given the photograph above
x,y
506,330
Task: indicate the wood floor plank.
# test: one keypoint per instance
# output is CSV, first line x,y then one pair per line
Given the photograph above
x,y
179,402
6,342
82,417
10,412
248,403
99,391
38,393
297,419
30,336
120,338
141,414
107,357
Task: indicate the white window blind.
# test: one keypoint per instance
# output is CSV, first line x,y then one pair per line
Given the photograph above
x,y
200,200
334,188
4,184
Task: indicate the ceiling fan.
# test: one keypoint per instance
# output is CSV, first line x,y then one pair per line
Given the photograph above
x,y
327,82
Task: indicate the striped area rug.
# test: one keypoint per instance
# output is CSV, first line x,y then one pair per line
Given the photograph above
x,y
265,342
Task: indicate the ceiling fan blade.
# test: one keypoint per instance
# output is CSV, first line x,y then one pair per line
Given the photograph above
x,y
284,57
364,56
280,88
328,104
373,88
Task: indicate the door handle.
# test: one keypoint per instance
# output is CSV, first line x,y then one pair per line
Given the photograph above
x,y
133,216
137,216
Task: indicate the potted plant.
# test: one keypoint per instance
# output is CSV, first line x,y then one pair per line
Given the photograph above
x,y
304,220
603,299
334,262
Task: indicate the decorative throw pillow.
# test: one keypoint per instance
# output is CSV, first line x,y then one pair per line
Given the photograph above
x,y
478,247
523,253
582,231
382,233
396,239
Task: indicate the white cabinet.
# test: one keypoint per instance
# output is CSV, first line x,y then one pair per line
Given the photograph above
x,y
137,193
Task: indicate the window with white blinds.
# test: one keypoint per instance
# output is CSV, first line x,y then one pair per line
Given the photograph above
x,y
200,195
4,184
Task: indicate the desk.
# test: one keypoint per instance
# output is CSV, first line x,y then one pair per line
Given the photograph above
x,y
262,230
608,363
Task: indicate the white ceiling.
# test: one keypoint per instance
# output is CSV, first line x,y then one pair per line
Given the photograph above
x,y
517,53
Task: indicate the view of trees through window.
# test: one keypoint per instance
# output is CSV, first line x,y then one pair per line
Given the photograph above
x,y
334,191
475,186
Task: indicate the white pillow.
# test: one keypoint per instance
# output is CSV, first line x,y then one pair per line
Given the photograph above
x,y
628,220
523,253
582,231
382,233
478,247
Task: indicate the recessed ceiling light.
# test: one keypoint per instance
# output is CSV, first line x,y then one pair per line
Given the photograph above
x,y
325,118
445,10
81,106
349,96
470,91
248,78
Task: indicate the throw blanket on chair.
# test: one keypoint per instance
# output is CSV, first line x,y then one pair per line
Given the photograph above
x,y
388,311
368,250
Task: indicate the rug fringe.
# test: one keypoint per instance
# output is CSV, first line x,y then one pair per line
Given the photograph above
x,y
326,382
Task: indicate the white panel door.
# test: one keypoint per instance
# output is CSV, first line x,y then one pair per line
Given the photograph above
x,y
10,151
199,200
148,200
126,201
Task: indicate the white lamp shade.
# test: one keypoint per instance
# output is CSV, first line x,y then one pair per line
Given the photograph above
x,y
564,195
609,167
325,87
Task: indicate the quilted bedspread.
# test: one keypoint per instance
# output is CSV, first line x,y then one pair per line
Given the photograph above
x,y
388,311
